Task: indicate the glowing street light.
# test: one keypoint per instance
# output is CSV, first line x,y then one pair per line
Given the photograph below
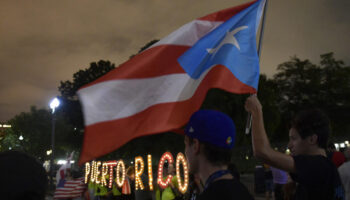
x,y
336,146
20,138
287,151
5,126
53,105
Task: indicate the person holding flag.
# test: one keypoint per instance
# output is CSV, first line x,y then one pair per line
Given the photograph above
x,y
316,176
67,185
64,171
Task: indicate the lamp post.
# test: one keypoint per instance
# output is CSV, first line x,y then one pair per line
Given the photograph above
x,y
21,141
53,105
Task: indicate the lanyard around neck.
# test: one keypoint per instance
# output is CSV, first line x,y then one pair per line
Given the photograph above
x,y
214,176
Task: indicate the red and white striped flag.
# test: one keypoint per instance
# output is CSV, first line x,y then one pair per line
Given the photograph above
x,y
158,90
62,171
126,188
71,189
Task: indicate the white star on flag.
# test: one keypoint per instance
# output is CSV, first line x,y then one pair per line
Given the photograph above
x,y
229,39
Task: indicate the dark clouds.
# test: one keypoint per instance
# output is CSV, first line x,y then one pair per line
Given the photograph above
x,y
44,42
306,29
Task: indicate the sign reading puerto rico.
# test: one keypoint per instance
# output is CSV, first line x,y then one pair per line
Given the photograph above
x,y
103,172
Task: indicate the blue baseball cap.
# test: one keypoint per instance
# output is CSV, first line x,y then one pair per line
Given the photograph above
x,y
212,127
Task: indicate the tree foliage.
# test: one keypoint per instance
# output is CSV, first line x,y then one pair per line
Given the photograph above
x,y
150,43
302,84
68,89
36,129
71,106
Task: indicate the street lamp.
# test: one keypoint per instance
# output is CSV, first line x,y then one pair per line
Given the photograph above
x,y
21,142
53,105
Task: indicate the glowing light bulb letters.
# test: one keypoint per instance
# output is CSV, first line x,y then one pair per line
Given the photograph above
x,y
138,172
119,181
161,183
98,174
180,158
111,164
93,171
104,174
87,171
150,174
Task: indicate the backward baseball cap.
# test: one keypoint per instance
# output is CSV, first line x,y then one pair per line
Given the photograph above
x,y
212,127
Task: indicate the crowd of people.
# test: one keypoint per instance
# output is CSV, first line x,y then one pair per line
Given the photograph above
x,y
313,170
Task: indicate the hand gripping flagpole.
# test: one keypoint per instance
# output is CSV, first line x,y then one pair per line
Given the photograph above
x,y
249,118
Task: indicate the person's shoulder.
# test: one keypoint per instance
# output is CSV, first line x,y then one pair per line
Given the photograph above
x,y
226,189
338,158
314,162
311,156
311,159
311,166
344,167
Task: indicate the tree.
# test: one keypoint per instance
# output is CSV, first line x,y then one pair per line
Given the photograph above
x,y
9,140
71,106
302,84
233,105
268,95
35,127
150,43
336,92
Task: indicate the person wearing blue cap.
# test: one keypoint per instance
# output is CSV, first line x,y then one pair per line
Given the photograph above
x,y
209,139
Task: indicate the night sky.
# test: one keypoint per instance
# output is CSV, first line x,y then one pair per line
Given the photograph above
x,y
44,42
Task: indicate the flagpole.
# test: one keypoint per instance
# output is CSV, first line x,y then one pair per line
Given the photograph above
x,y
249,118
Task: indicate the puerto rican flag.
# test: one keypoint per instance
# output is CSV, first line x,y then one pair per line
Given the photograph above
x,y
70,189
158,90
61,174
126,188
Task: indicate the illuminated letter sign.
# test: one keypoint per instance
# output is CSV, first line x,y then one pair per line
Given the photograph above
x,y
180,158
111,164
104,174
138,172
93,171
97,173
87,171
119,181
150,175
169,157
